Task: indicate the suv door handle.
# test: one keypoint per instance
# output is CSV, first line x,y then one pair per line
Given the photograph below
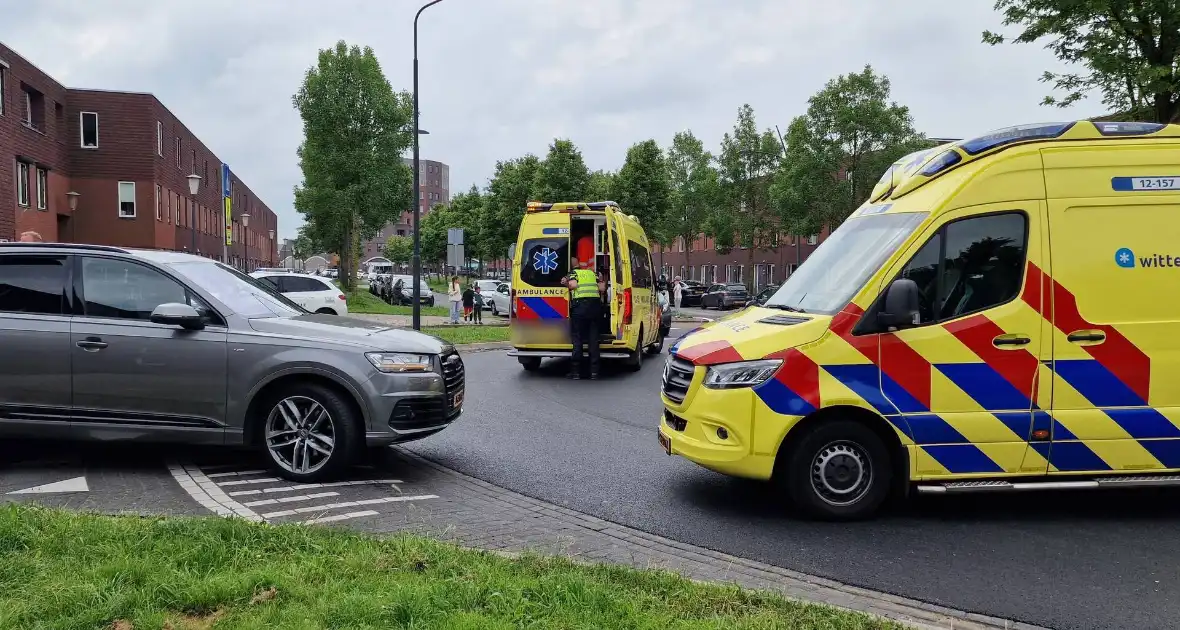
x,y
1014,339
92,344
1086,335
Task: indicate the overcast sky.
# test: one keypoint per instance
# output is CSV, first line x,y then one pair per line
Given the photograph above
x,y
501,78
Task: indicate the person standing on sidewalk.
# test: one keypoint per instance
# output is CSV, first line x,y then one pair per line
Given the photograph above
x,y
31,237
468,304
677,294
477,304
455,297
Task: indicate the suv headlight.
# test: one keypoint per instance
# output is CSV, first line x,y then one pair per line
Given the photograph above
x,y
741,373
400,361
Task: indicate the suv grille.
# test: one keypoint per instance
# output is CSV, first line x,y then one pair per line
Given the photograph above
x,y
419,413
453,378
677,377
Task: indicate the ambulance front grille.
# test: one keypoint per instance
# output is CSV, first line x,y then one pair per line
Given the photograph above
x,y
677,377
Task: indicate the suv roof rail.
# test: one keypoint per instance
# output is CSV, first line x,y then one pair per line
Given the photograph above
x,y
97,248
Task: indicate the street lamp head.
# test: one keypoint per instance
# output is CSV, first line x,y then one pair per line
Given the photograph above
x,y
73,199
271,234
423,132
245,219
194,183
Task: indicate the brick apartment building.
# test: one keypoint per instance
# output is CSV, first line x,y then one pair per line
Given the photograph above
x,y
705,264
435,188
111,168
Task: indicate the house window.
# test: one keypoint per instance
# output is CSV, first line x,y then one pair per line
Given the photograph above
x,y
178,151
89,130
193,162
159,203
22,184
126,200
205,176
812,240
3,82
159,138
42,189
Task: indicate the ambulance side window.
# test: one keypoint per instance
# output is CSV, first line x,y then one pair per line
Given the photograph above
x,y
923,269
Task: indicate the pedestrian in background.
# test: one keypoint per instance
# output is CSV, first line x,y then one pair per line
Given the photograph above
x,y
31,237
677,294
468,303
455,297
477,303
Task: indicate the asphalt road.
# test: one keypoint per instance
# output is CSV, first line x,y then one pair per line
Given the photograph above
x,y
1083,560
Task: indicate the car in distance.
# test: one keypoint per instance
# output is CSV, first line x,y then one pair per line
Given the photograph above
x,y
725,296
692,293
313,294
105,343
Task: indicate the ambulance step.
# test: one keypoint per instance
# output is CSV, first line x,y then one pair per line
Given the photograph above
x,y
1129,481
557,354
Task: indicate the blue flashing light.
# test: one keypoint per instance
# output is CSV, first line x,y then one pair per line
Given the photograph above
x,y
945,160
1128,128
1008,135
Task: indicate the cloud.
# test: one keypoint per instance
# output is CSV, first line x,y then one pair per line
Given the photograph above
x,y
503,78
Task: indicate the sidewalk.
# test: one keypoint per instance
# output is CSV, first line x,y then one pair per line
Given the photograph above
x,y
477,514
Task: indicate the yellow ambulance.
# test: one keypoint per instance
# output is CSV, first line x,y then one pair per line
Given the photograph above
x,y
1002,314
550,233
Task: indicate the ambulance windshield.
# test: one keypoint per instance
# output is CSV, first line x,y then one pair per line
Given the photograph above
x,y
839,267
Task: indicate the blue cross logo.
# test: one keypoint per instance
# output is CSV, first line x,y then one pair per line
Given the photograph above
x,y
1125,258
545,260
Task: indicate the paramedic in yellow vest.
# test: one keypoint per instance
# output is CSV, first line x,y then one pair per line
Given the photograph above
x,y
586,291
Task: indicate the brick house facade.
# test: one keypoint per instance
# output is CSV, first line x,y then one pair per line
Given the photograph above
x,y
701,261
126,158
435,188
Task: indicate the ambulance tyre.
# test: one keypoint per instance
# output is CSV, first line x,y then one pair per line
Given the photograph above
x,y
634,361
530,364
657,346
840,470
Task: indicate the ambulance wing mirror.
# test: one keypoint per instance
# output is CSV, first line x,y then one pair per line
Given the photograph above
x,y
902,304
512,252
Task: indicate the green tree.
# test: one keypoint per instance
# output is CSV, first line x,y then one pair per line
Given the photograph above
x,y
693,190
399,249
642,186
1130,50
508,193
466,211
355,129
837,151
601,186
562,176
748,159
433,228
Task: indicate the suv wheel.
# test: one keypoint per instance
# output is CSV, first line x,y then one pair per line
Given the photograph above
x,y
530,364
840,470
309,432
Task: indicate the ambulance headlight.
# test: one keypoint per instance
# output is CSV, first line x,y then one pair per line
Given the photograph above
x,y
741,373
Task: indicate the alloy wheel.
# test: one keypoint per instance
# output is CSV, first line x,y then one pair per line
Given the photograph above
x,y
300,434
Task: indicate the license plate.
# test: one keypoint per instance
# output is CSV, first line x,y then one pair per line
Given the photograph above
x,y
457,399
665,443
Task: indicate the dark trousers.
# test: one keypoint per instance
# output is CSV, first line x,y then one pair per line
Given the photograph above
x,y
477,314
585,319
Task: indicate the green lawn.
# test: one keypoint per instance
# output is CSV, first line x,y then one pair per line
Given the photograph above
x,y
363,302
67,571
467,333
439,285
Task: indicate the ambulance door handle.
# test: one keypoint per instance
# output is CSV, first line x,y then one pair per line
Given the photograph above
x,y
1087,336
1014,339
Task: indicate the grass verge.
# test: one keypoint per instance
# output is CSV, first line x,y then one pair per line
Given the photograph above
x,y
64,570
362,302
467,333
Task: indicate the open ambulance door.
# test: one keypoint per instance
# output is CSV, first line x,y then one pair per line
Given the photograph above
x,y
618,292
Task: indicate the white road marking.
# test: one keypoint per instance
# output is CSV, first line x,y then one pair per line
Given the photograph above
x,y
338,517
242,482
206,492
77,484
237,473
347,504
298,497
310,486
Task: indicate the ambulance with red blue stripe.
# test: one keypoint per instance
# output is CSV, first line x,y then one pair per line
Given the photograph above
x,y
633,324
1001,314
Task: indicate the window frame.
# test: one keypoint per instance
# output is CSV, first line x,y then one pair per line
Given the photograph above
x,y
179,150
22,184
82,130
119,201
3,84
160,138
159,203
869,324
77,288
42,176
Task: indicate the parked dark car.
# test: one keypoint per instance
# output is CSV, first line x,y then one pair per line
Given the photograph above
x,y
763,295
725,296
692,293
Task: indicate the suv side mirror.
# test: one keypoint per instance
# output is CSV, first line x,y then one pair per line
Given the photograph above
x,y
902,305
175,314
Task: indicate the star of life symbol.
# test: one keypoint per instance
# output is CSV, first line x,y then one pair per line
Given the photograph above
x,y
545,260
1124,257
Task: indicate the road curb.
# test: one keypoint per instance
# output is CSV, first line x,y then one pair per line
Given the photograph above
x,y
483,347
705,565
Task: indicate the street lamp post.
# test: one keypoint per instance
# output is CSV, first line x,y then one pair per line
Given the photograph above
x,y
416,260
270,247
194,183
245,252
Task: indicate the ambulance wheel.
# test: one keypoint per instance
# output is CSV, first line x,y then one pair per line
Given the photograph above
x,y
839,470
530,364
634,361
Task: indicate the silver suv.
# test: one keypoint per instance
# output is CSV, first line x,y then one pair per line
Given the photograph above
x,y
104,343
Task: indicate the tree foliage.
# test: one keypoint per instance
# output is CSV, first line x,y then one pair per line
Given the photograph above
x,y
508,192
693,189
838,150
748,159
642,187
562,176
355,129
601,186
399,249
1130,50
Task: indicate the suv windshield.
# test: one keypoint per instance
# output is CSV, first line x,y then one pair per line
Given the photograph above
x,y
246,296
838,268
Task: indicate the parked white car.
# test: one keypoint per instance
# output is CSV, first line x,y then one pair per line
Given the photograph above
x,y
317,295
495,295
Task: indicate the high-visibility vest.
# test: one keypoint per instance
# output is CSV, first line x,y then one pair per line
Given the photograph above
x,y
587,284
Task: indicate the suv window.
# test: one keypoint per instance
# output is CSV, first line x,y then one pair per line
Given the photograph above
x,y
126,290
32,284
544,261
970,265
299,284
